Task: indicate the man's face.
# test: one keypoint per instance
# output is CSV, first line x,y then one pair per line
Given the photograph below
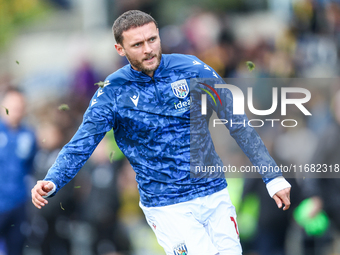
x,y
142,47
15,103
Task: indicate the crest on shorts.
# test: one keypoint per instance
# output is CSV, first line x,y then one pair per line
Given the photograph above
x,y
180,88
180,249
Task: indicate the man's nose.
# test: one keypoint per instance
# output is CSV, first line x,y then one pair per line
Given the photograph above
x,y
147,48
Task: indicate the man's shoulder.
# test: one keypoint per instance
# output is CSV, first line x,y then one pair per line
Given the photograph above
x,y
182,61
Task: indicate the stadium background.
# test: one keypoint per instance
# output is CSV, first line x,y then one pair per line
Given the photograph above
x,y
55,51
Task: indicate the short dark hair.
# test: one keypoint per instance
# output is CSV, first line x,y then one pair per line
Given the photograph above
x,y
130,19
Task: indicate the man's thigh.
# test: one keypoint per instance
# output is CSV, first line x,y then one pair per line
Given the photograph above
x,y
205,225
177,230
221,223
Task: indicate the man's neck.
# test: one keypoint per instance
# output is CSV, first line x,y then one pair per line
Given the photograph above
x,y
150,74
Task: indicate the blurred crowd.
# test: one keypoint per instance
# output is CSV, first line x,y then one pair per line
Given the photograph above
x,y
98,212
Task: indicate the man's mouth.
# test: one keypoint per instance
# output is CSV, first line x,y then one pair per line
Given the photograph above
x,y
149,59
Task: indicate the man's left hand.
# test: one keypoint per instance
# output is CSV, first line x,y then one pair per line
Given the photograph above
x,y
283,197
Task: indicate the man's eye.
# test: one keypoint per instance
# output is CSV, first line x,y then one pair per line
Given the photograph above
x,y
152,39
136,45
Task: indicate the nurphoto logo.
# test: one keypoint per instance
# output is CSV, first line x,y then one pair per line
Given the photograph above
x,y
239,99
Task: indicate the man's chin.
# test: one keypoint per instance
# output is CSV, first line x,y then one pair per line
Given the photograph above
x,y
150,69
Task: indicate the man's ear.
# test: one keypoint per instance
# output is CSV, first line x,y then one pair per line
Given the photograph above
x,y
120,50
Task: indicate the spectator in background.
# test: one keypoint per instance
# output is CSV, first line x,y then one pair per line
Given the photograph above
x,y
17,149
272,226
324,191
83,85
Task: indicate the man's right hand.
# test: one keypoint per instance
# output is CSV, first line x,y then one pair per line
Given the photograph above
x,y
39,190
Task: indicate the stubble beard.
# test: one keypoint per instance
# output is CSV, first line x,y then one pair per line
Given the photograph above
x,y
141,67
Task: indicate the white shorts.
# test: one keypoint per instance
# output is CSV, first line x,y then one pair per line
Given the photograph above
x,y
202,226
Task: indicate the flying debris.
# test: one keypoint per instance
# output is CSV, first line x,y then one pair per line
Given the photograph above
x,y
250,65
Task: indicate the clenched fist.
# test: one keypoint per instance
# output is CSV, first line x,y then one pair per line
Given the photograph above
x,y
39,190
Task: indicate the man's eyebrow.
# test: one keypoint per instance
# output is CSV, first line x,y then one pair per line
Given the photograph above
x,y
153,36
133,43
142,41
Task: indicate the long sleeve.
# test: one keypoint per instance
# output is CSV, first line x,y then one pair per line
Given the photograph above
x,y
245,136
98,119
